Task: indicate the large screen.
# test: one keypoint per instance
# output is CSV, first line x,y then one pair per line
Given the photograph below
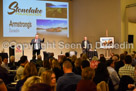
x,y
25,18
106,42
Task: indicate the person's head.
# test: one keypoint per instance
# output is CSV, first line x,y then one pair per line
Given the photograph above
x,y
48,77
128,59
102,69
55,64
88,73
5,60
122,57
95,58
0,60
84,57
73,58
110,63
29,70
84,64
39,57
39,87
115,58
12,59
67,67
46,64
102,59
23,60
85,38
30,81
78,62
117,55
36,36
125,53
67,54
101,55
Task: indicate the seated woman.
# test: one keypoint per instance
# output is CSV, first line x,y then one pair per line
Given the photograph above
x,y
48,77
87,84
46,66
29,70
30,81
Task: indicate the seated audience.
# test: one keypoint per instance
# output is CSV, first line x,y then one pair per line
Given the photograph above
x,y
94,62
69,78
29,70
113,74
4,73
46,66
2,86
48,77
128,69
12,65
5,64
23,62
87,84
39,87
30,81
77,69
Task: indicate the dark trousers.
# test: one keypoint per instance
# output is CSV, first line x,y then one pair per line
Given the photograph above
x,y
85,51
36,51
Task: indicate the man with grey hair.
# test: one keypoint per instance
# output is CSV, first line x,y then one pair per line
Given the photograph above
x,y
69,80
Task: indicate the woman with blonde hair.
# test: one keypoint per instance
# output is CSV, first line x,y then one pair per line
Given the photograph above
x,y
48,77
30,81
29,70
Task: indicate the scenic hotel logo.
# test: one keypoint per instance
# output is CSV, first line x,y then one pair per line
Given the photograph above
x,y
14,8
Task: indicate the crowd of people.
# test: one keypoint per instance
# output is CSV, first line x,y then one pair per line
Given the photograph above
x,y
70,73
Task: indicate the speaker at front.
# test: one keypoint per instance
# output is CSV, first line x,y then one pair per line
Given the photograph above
x,y
130,38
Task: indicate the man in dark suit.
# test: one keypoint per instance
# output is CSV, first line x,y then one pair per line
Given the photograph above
x,y
85,45
36,42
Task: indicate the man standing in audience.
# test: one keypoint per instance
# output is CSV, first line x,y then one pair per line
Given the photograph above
x,y
5,64
69,80
85,46
20,69
127,69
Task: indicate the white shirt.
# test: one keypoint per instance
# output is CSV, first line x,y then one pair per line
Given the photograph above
x,y
36,44
85,43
